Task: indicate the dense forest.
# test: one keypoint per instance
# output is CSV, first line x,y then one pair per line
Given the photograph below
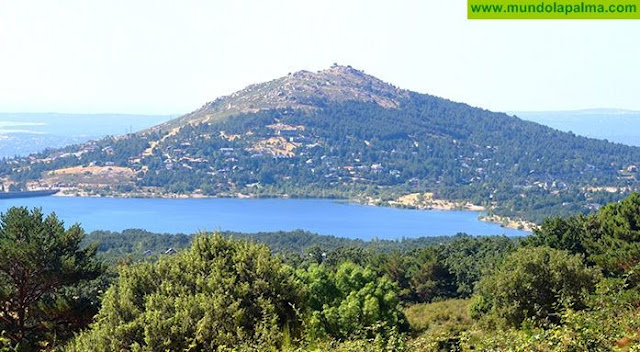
x,y
371,142
138,244
571,286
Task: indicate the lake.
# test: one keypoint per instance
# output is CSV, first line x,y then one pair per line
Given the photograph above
x,y
321,216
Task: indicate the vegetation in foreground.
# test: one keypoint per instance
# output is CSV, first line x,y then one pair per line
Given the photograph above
x,y
571,286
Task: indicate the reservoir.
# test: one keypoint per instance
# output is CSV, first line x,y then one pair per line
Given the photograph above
x,y
322,216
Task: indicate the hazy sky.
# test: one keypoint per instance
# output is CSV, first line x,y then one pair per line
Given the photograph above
x,y
159,57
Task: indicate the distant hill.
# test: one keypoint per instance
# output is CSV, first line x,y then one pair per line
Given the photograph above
x,y
26,133
619,126
342,133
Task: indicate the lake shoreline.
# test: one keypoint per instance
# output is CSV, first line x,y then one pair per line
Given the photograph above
x,y
336,217
409,201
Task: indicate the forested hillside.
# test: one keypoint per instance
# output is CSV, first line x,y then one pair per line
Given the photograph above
x,y
342,133
138,244
571,286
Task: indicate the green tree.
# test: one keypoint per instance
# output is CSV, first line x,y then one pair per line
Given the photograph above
x,y
220,292
536,284
429,278
40,263
615,232
395,266
610,323
350,302
470,258
568,234
610,238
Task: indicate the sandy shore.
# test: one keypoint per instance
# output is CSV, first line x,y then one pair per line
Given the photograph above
x,y
426,201
510,223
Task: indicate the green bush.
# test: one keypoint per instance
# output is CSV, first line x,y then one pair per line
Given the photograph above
x,y
391,341
218,293
351,302
440,324
601,328
610,238
450,315
535,284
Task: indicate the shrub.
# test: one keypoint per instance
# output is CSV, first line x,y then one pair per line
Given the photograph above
x,y
350,302
535,284
218,293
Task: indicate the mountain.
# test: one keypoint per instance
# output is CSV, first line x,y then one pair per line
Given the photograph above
x,y
27,133
345,134
302,90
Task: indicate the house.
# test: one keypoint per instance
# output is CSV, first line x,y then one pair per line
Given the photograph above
x,y
108,150
287,133
90,148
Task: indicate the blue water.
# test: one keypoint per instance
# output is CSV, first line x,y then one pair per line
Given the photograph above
x,y
254,215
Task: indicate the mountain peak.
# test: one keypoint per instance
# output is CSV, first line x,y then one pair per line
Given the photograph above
x,y
300,90
339,83
345,72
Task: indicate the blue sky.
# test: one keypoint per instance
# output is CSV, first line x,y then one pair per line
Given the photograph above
x,y
170,57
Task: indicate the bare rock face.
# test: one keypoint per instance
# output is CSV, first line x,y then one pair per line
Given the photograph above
x,y
300,90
